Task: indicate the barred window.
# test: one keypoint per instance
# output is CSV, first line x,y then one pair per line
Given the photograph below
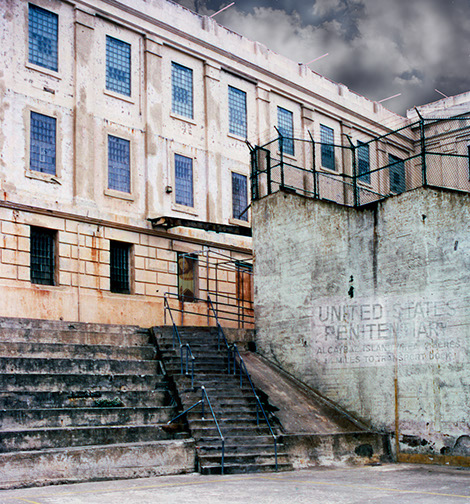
x,y
118,66
184,180
42,255
285,124
396,172
43,37
42,148
237,111
327,139
363,162
239,197
119,174
181,90
187,276
119,267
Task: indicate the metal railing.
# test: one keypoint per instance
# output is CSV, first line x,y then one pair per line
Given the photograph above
x,y
205,397
259,407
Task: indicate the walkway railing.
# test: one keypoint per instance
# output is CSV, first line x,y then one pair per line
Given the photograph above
x,y
204,398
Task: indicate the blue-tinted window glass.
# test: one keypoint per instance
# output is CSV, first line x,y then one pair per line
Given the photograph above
x,y
237,111
181,90
285,124
43,35
239,197
184,180
397,174
363,162
42,150
119,173
327,139
118,66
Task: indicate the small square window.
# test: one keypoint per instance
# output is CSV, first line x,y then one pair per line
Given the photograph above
x,y
43,36
237,111
118,66
119,267
119,174
184,180
42,148
285,124
42,255
182,90
363,162
239,197
187,276
327,139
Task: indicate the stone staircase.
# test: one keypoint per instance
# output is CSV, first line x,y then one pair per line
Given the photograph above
x,y
84,402
249,447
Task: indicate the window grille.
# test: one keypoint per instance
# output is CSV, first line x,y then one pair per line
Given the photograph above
x,y
184,180
237,111
397,174
42,149
239,197
119,176
119,267
42,255
327,139
118,66
187,276
285,124
43,36
363,162
182,90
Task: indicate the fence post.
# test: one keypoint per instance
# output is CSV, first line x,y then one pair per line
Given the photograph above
x,y
281,156
268,170
423,152
354,171
314,169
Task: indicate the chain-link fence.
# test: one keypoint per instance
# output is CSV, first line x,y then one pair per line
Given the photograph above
x,y
428,152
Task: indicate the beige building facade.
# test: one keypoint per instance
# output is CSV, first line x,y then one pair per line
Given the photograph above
x,y
117,113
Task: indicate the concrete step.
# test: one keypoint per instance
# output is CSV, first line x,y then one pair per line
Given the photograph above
x,y
18,365
202,432
85,398
75,417
44,438
243,458
37,382
104,462
234,468
67,351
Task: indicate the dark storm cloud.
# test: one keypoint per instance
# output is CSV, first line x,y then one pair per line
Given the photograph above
x,y
376,47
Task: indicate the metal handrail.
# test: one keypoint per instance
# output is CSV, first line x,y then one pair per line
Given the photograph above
x,y
204,397
189,354
220,331
259,406
175,329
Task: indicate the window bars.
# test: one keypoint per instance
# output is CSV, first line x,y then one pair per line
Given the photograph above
x,y
119,267
119,176
42,149
42,255
239,197
181,90
43,37
118,66
237,111
184,180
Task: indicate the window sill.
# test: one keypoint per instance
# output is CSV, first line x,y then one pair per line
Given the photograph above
x,y
239,222
184,119
43,177
119,96
184,209
43,70
329,171
237,137
112,193
287,156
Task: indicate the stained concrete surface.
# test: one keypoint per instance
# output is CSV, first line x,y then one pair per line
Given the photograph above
x,y
394,483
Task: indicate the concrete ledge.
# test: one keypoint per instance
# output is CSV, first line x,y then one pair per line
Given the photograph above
x,y
352,448
73,465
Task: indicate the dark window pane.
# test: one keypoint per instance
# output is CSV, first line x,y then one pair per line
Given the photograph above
x,y
363,162
43,35
184,180
397,174
42,251
42,147
181,90
239,197
327,139
237,111
285,124
118,66
119,267
119,175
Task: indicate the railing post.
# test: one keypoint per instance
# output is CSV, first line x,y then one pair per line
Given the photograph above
x,y
268,171
314,169
202,399
181,359
281,156
423,152
354,166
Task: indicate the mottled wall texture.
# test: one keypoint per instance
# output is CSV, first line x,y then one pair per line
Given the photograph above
x,y
371,308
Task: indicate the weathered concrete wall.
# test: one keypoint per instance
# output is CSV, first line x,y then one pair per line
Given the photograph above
x,y
371,307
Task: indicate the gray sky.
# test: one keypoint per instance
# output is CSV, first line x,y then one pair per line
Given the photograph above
x,y
378,48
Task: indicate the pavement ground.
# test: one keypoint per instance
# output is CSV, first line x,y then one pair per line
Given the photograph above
x,y
390,483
